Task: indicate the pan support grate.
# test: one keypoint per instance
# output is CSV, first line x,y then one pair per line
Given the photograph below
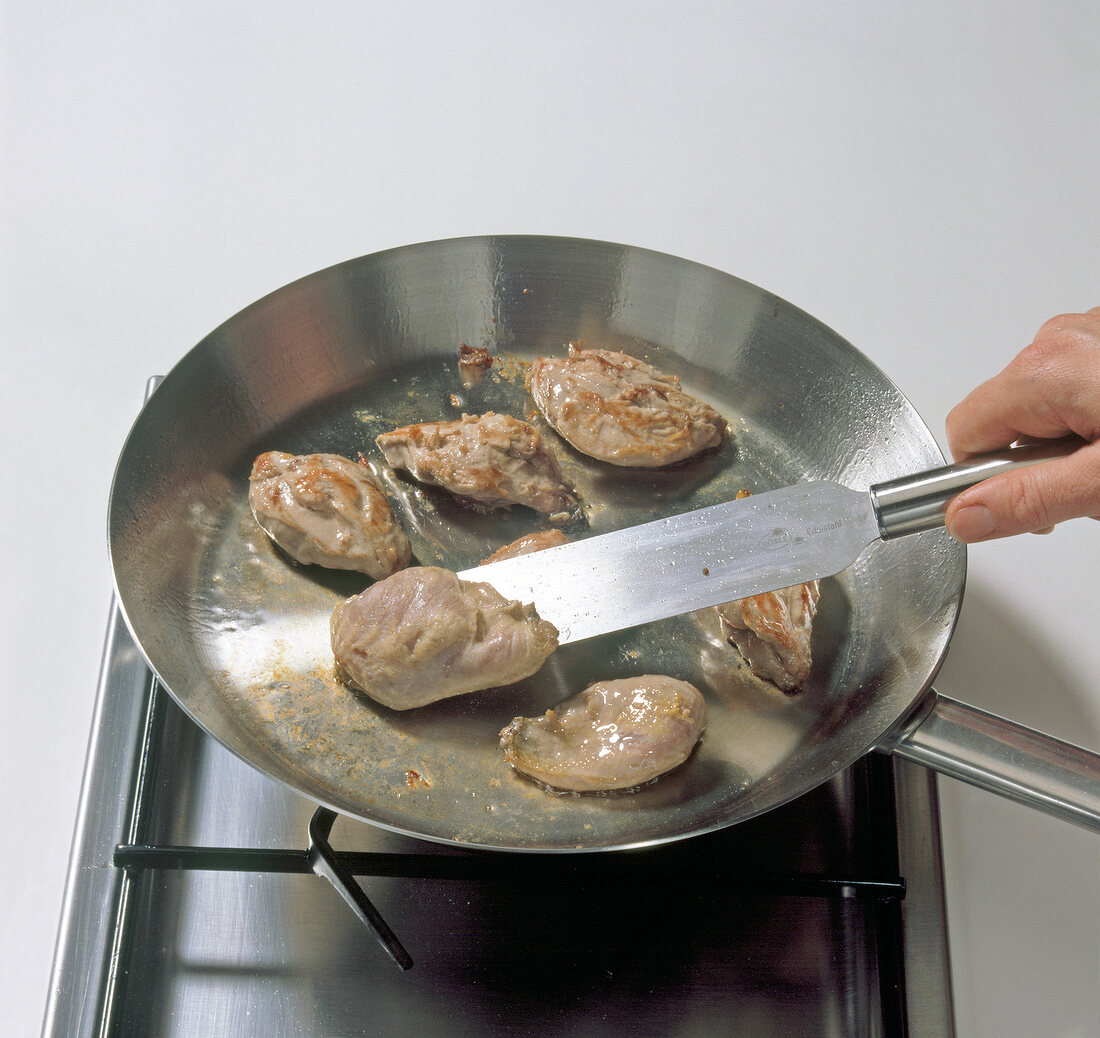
x,y
136,855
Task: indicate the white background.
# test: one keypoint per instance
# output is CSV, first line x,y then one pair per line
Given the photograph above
x,y
925,178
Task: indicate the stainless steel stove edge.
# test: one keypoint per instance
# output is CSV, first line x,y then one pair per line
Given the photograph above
x,y
94,888
930,1002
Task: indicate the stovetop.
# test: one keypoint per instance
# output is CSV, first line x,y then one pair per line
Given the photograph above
x,y
194,906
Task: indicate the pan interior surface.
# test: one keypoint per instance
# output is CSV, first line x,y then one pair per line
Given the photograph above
x,y
239,634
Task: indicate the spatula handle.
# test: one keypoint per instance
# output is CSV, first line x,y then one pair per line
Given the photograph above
x,y
915,503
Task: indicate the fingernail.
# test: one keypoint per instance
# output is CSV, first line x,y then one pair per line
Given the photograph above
x,y
972,523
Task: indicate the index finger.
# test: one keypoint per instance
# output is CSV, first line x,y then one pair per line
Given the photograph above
x,y
1049,389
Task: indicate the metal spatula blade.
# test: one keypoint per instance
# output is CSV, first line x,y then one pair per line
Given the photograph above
x,y
728,551
689,561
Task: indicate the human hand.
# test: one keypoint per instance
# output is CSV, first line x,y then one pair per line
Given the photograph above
x,y
1051,389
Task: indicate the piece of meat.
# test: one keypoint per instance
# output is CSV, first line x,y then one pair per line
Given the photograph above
x,y
327,510
773,632
473,362
618,409
493,459
526,544
424,635
614,735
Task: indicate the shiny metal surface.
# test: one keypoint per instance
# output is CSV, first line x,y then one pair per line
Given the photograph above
x,y
910,504
240,637
1006,758
739,548
716,951
929,998
685,562
93,890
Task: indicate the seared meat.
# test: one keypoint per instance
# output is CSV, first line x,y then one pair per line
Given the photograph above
x,y
619,409
473,362
526,544
424,635
493,459
325,509
773,630
613,735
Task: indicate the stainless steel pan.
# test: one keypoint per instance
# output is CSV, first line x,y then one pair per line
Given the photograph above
x,y
240,636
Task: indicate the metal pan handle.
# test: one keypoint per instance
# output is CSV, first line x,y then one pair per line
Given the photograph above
x,y
915,503
1003,757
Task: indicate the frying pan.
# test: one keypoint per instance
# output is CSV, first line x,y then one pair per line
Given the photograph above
x,y
238,633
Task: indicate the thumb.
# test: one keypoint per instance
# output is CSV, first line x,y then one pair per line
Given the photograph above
x,y
1029,500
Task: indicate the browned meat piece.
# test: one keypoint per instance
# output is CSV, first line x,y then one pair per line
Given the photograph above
x,y
613,735
473,362
493,459
621,410
325,509
526,544
773,630
424,635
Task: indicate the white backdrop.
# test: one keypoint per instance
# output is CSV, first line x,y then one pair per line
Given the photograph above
x,y
923,178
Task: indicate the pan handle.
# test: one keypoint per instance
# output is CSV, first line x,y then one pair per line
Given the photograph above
x,y
1003,757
